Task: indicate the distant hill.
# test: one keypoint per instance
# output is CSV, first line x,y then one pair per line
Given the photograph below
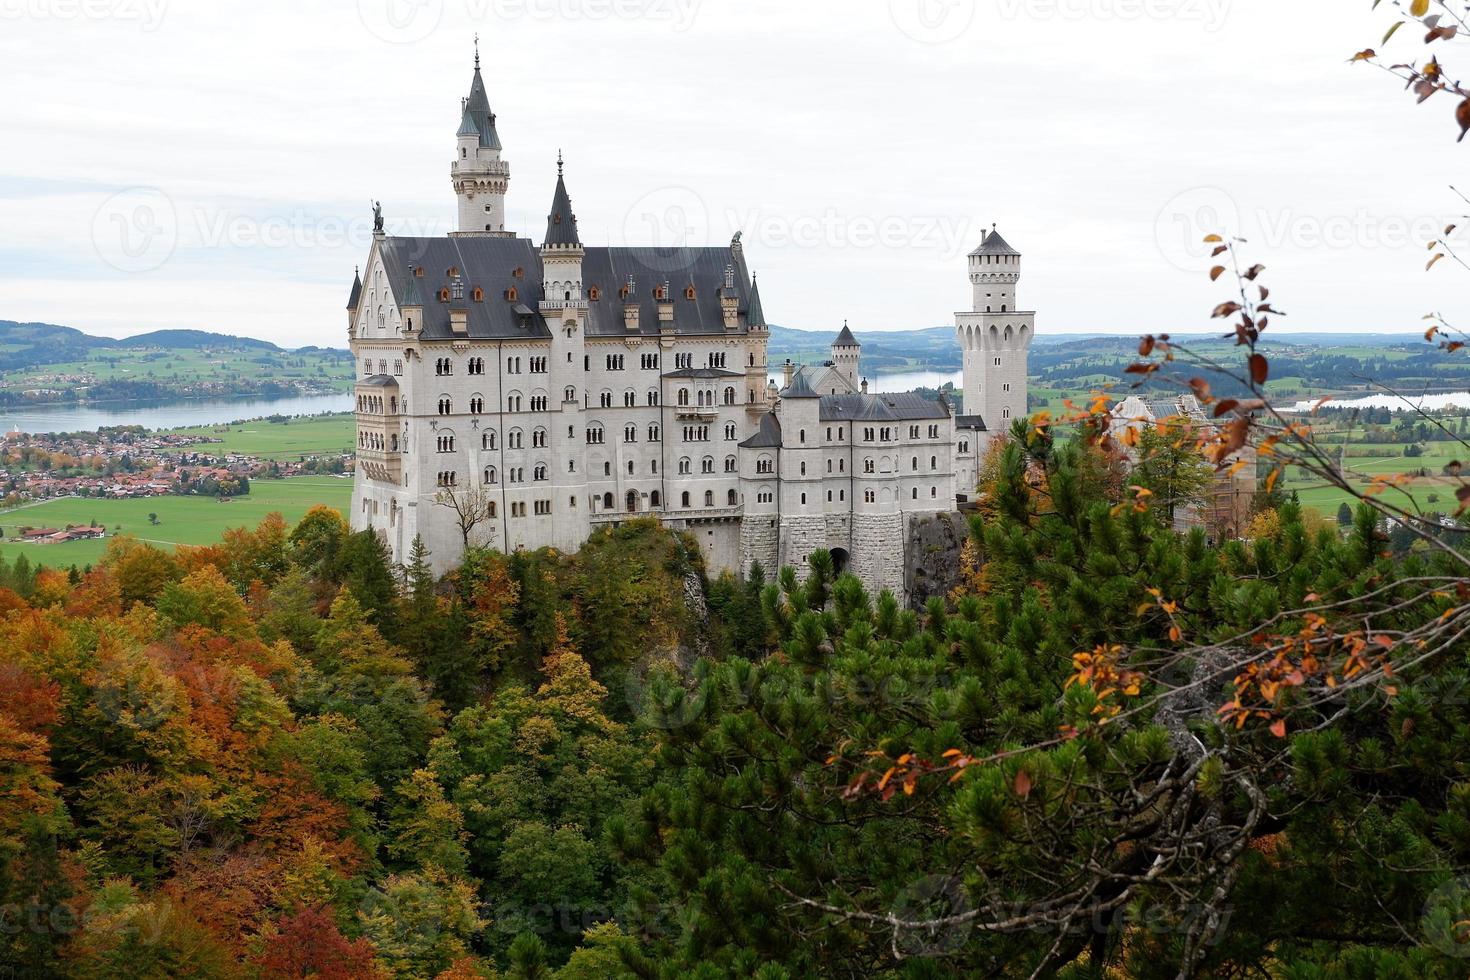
x,y
935,348
26,345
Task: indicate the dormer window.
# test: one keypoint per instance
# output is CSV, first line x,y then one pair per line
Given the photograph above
x,y
689,291
594,294
444,294
418,272
518,273
660,293
512,294
478,295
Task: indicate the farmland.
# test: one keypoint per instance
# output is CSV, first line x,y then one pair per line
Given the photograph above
x,y
277,439
181,520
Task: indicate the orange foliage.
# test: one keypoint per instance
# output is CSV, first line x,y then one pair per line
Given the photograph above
x,y
309,944
33,703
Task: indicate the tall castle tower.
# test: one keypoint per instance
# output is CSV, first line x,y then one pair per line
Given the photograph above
x,y
846,353
480,177
995,336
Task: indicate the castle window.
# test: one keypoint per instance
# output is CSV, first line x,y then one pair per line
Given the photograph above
x,y
684,465
538,439
513,403
478,295
916,493
1005,413
518,273
538,403
446,406
595,435
709,498
654,499
933,491
729,396
652,398
605,399
512,294
490,476
916,463
934,462
490,511
444,294
869,496
398,369
569,395
729,431
630,433
513,439
803,469
868,466
964,446
731,464
803,499
689,292
630,398
477,405
684,498
487,440
594,294
654,433
539,474
707,465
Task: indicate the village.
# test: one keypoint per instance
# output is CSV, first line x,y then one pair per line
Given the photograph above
x,y
131,462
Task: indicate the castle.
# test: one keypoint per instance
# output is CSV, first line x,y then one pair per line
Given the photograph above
x,y
514,395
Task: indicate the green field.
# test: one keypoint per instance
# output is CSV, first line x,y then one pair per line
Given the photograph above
x,y
290,439
181,520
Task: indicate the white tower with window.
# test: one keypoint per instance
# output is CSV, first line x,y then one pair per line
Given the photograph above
x,y
995,336
480,177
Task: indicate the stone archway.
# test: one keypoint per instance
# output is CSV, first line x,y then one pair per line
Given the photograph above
x,y
840,560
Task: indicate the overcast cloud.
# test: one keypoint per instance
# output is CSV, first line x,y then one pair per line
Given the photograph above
x,y
210,164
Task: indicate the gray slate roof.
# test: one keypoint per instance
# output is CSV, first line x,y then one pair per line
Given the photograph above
x,y
975,422
379,381
477,107
904,406
356,294
489,263
994,245
755,316
846,339
768,436
800,386
561,223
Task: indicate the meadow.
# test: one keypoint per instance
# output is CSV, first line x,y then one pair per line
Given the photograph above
x,y
181,520
287,439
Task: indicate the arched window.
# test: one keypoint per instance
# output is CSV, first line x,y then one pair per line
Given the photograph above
x,y
684,498
654,500
491,478
734,498
729,396
607,501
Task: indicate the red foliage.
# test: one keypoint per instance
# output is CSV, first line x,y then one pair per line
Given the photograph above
x,y
11,602
309,944
32,702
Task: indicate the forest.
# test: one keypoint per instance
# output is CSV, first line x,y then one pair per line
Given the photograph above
x,y
1113,750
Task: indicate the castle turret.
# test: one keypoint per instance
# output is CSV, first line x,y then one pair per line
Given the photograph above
x,y
564,308
995,336
480,177
846,353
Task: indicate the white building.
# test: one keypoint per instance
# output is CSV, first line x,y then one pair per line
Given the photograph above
x,y
546,389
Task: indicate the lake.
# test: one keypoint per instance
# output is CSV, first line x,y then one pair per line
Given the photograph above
x,y
1429,403
164,414
906,381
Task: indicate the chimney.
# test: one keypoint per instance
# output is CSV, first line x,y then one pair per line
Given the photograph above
x,y
788,370
865,386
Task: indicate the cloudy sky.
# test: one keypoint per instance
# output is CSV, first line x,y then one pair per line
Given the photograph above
x,y
210,163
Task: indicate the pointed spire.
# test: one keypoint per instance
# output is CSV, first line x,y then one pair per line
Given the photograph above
x,y
477,107
754,315
561,223
356,294
845,338
411,294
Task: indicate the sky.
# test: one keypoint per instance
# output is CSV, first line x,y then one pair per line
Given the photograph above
x,y
210,164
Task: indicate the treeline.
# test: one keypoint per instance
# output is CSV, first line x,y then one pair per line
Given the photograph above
x,y
279,756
